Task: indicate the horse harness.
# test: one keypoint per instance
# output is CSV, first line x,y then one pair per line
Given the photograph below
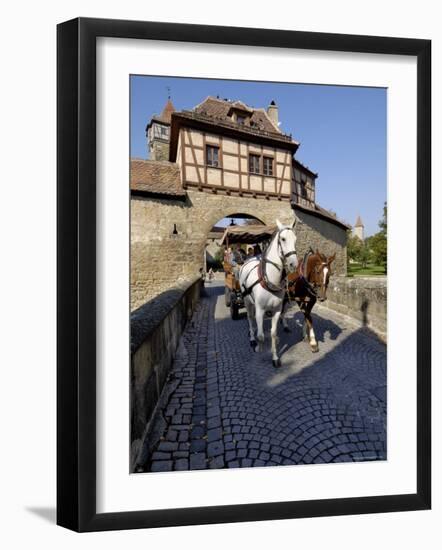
x,y
311,289
262,272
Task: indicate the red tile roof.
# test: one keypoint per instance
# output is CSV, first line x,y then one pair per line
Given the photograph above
x,y
156,177
219,109
166,114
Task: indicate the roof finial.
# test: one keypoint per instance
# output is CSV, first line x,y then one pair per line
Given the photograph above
x,y
168,92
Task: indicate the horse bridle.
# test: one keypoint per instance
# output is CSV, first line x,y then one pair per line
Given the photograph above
x,y
314,287
283,257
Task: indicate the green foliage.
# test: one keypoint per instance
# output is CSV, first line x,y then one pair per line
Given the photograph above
x,y
371,270
219,258
365,255
383,223
354,245
370,256
378,245
378,242
358,251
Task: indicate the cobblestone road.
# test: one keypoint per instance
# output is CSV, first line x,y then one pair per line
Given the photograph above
x,y
226,406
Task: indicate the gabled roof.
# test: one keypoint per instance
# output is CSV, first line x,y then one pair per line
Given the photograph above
x,y
153,177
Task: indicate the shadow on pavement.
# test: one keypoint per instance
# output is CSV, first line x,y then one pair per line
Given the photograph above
x,y
342,350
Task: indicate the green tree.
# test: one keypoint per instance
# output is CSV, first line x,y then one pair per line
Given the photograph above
x,y
354,246
383,223
365,254
219,258
378,242
379,248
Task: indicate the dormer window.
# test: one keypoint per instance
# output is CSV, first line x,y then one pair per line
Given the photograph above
x,y
240,114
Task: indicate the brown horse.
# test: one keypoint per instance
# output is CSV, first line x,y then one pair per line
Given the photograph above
x,y
308,284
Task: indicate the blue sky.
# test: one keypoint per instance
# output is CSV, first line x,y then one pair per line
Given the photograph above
x,y
342,131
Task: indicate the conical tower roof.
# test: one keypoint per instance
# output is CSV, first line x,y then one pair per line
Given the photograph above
x,y
166,114
359,222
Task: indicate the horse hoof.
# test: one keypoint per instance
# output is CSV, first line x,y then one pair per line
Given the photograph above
x,y
253,344
315,349
276,363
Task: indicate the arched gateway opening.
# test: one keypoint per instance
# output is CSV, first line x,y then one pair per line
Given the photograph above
x,y
214,251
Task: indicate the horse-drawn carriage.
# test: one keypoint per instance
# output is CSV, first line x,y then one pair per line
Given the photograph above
x,y
266,284
240,235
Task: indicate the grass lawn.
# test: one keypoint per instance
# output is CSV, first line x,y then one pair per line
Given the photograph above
x,y
356,270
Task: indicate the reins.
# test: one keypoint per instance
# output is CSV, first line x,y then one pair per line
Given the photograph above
x,y
263,279
262,271
311,288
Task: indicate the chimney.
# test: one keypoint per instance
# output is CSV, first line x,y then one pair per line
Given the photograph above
x,y
272,111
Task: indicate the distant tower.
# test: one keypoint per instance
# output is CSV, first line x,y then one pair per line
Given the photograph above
x,y
158,133
358,229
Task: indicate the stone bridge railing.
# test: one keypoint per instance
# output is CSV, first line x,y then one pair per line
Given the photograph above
x,y
156,328
362,298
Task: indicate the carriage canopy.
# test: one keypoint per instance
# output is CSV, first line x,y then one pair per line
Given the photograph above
x,y
247,234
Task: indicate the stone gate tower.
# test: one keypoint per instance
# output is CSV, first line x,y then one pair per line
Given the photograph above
x,y
218,159
158,133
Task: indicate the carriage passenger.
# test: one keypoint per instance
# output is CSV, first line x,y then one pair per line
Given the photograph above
x,y
228,256
257,251
239,257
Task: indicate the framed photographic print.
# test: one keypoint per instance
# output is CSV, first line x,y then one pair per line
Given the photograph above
x,y
243,274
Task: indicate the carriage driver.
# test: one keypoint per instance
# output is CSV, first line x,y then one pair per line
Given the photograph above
x,y
238,258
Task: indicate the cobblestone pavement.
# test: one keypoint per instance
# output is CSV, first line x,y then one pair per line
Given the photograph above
x,y
226,406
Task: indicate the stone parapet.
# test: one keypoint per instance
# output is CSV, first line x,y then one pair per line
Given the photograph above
x,y
362,298
156,328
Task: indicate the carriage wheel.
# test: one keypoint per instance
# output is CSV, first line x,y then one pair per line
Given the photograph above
x,y
234,310
227,296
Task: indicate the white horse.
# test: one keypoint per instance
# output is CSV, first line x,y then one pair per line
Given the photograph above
x,y
263,284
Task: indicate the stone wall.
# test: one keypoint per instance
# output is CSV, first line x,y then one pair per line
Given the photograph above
x,y
324,235
160,259
159,150
363,298
156,329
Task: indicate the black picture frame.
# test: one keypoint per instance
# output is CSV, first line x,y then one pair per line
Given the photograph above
x,y
76,274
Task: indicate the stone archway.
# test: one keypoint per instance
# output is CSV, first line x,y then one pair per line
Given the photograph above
x,y
168,236
161,256
208,209
213,250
